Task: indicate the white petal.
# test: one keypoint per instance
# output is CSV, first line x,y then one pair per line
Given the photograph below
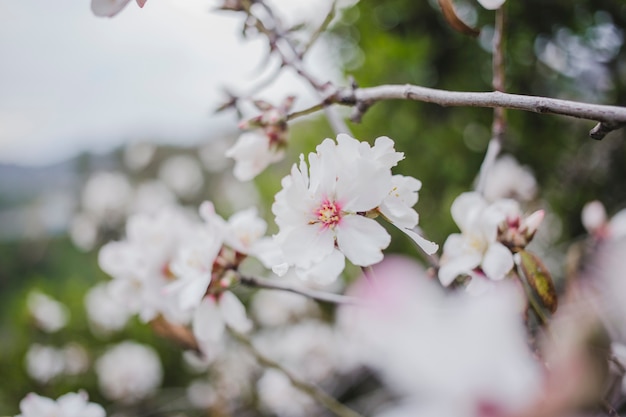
x,y
426,245
497,262
363,185
234,312
208,324
306,245
362,240
466,208
326,271
617,225
457,259
491,4
107,8
252,154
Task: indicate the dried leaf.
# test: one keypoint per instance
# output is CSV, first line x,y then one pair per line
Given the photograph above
x,y
455,21
539,279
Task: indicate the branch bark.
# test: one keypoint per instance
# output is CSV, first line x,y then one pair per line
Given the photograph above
x,y
609,118
326,297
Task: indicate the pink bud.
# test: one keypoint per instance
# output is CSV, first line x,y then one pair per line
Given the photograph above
x,y
532,222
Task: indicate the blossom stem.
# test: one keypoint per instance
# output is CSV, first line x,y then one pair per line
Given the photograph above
x,y
321,29
322,296
498,127
304,112
177,333
315,392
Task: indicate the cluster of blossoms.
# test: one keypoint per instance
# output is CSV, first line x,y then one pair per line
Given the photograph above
x,y
68,405
174,266
490,235
326,209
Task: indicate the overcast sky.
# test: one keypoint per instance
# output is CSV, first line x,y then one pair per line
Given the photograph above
x,y
70,81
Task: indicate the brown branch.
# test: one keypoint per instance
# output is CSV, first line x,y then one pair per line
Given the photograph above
x,y
611,117
175,332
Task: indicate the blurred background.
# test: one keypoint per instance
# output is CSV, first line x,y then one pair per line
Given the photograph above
x,y
102,118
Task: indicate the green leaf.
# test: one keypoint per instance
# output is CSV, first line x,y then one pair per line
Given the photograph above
x,y
539,279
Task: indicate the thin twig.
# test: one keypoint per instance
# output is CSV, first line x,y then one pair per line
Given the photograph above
x,y
277,37
612,117
315,392
304,112
322,296
498,127
315,35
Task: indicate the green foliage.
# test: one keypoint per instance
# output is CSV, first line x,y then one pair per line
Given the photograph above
x,y
403,41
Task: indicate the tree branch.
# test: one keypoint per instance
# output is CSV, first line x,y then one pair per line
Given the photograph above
x,y
609,117
322,296
316,393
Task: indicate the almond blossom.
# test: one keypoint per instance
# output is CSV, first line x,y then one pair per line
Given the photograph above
x,y
109,8
323,208
68,405
253,152
489,232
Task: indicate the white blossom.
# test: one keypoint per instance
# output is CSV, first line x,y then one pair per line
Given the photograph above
x,y
105,313
477,245
43,363
129,372
508,179
68,405
253,152
49,314
320,209
183,175
140,264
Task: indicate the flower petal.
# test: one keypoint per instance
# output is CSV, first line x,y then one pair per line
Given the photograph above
x,y
466,208
308,244
234,313
107,8
426,245
362,240
326,271
498,261
208,324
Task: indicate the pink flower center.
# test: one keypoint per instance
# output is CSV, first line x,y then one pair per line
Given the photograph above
x,y
328,213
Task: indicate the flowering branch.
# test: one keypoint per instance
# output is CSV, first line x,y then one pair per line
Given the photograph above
x,y
321,296
276,35
609,118
326,400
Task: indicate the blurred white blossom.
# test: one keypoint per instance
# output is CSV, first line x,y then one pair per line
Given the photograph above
x,y
49,314
106,197
129,372
105,313
68,405
43,363
508,179
183,174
